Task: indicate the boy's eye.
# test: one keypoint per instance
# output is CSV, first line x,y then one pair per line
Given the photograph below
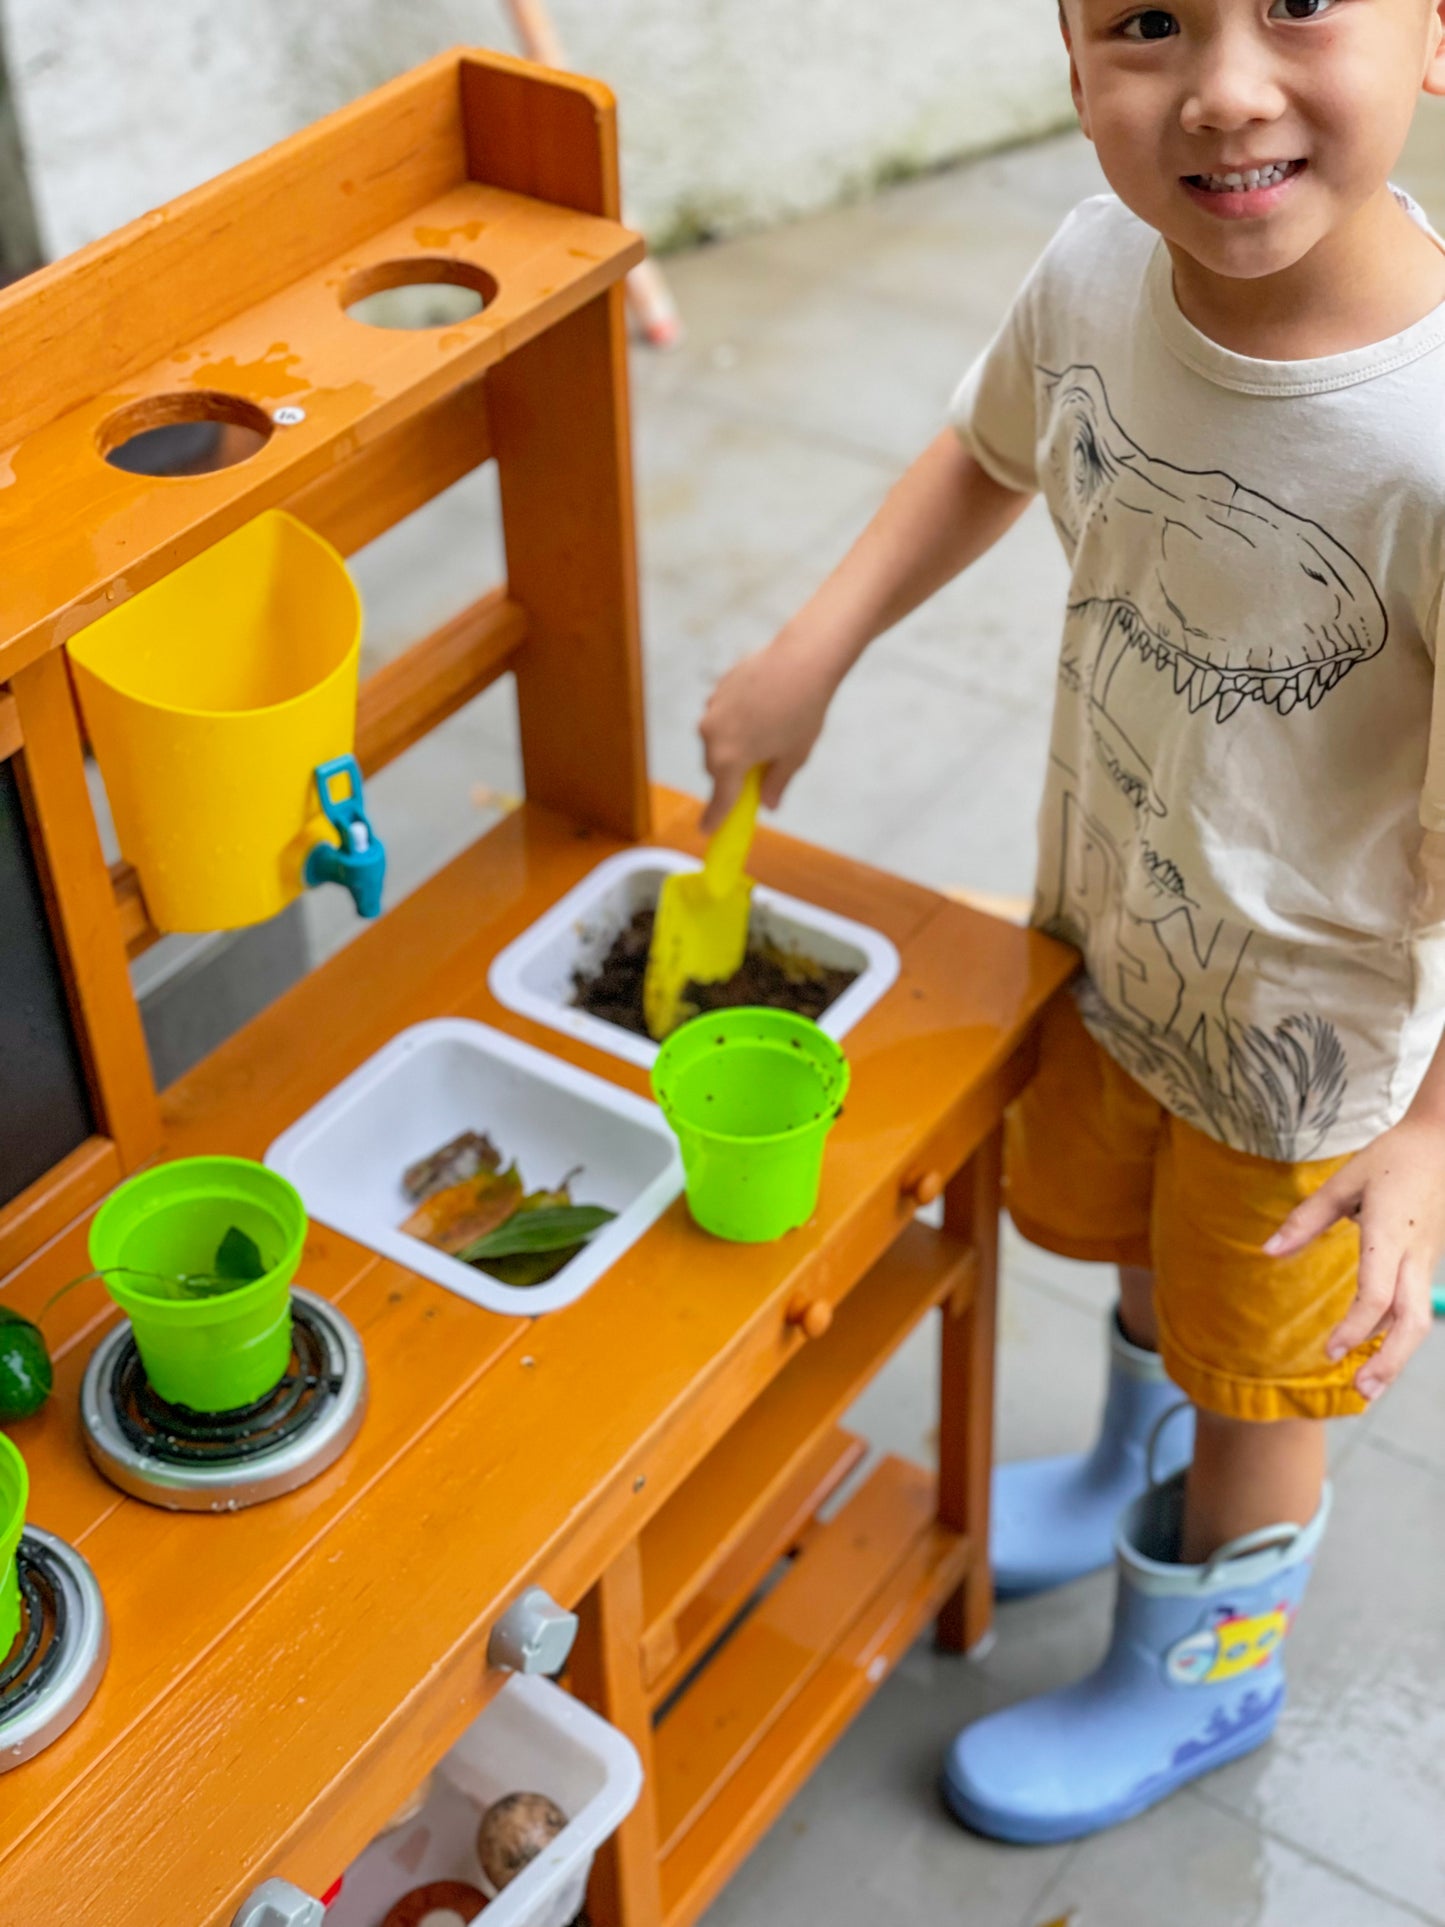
x,y
1153,24
1299,9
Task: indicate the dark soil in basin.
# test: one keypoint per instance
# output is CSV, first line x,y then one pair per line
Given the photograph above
x,y
776,979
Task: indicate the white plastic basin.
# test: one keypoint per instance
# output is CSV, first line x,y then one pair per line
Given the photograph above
x,y
437,1079
534,974
533,1738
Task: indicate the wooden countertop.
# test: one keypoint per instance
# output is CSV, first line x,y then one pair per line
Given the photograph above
x,y
281,1677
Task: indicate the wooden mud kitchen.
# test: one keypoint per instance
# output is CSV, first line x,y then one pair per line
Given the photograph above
x,y
241,1656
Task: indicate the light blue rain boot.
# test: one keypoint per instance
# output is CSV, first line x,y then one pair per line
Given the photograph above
x,y
1053,1520
1194,1677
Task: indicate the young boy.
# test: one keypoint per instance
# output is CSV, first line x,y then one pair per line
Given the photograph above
x,y
1228,381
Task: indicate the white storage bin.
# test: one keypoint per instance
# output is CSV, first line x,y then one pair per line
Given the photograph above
x,y
533,1738
534,974
431,1082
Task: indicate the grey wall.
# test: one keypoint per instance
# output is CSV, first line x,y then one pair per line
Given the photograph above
x,y
735,113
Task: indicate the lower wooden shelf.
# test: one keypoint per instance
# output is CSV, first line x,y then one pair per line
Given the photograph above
x,y
747,1730
705,1552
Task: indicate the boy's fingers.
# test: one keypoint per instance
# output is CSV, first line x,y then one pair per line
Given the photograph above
x,y
776,778
726,788
1409,1324
1334,1200
1379,1273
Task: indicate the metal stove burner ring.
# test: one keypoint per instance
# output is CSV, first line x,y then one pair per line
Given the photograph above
x,y
197,1464
62,1594
43,1602
172,1433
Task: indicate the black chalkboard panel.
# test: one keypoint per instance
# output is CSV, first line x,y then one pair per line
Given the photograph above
x,y
44,1109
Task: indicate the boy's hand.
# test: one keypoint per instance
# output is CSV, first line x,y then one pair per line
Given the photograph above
x,y
1395,1187
768,709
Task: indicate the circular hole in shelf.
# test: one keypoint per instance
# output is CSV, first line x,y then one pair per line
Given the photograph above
x,y
192,433
425,292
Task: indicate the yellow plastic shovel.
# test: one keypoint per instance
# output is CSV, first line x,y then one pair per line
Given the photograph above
x,y
701,933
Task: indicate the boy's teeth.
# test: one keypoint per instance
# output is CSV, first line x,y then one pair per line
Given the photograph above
x,y
1241,183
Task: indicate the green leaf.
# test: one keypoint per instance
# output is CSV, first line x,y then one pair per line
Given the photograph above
x,y
239,1258
552,1228
531,1268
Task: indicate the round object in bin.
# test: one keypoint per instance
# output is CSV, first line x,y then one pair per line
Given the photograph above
x,y
221,1349
514,1830
210,699
438,1898
752,1095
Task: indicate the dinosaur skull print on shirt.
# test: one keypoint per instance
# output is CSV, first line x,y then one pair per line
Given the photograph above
x,y
1240,777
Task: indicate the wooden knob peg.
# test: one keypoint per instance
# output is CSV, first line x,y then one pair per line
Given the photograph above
x,y
925,1188
811,1316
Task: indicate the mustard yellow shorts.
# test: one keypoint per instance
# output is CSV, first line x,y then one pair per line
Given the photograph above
x,y
1095,1168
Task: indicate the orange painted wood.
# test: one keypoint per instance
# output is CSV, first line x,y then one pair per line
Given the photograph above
x,y
559,413
675,1646
291,1672
137,931
66,1494
47,1206
84,534
399,472
764,1451
87,930
709,1735
10,736
692,1337
539,132
885,1628
430,955
966,1392
562,434
414,692
187,267
606,1672
213,1572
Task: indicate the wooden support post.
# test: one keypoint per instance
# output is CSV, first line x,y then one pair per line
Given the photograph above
x,y
965,1438
559,412
83,911
606,1670
561,432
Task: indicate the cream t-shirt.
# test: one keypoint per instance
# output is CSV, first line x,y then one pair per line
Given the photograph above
x,y
1238,830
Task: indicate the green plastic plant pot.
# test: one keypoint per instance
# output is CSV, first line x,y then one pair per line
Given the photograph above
x,y
14,1492
752,1096
216,1352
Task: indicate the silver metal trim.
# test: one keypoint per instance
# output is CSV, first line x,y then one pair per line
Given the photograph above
x,y
73,1686
208,1488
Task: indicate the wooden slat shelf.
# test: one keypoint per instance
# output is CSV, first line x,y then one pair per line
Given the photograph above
x,y
672,1647
295,349
933,1565
864,1586
700,1531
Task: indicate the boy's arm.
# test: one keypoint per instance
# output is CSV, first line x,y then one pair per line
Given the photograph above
x,y
1395,1189
944,513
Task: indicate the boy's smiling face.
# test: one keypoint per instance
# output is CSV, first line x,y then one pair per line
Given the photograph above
x,y
1247,131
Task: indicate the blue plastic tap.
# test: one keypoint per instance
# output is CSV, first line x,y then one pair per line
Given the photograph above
x,y
359,861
